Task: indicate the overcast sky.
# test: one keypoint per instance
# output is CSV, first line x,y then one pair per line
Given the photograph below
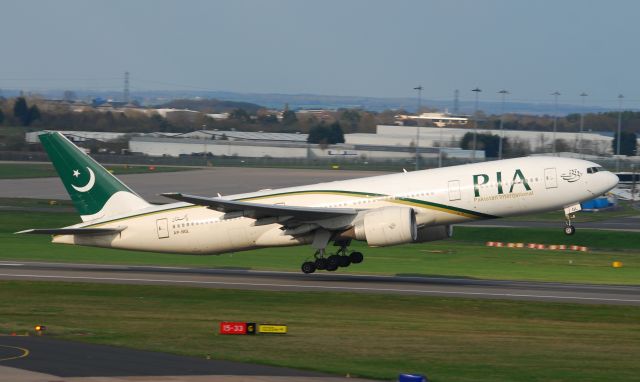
x,y
344,47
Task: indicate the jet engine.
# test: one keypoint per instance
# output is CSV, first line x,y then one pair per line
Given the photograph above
x,y
387,226
433,233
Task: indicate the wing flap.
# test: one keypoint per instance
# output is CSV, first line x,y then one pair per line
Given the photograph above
x,y
261,211
73,231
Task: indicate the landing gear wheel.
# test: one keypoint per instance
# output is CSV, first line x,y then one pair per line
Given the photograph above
x,y
356,257
331,267
569,230
321,263
308,267
333,261
345,261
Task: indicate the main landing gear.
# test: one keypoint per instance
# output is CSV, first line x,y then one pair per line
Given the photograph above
x,y
331,263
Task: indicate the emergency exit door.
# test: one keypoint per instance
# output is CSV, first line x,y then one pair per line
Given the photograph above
x,y
162,227
550,178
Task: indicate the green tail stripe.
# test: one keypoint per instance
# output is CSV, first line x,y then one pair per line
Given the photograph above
x,y
88,183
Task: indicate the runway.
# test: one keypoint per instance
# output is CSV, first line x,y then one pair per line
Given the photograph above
x,y
322,282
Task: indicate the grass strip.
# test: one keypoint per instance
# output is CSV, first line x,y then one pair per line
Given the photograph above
x,y
376,336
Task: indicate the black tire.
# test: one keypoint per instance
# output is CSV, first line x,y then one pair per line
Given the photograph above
x,y
345,261
332,267
569,230
333,261
321,263
356,257
308,267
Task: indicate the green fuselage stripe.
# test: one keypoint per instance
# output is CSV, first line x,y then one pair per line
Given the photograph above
x,y
399,200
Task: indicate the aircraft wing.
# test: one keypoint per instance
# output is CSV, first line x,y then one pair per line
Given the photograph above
x,y
260,211
74,231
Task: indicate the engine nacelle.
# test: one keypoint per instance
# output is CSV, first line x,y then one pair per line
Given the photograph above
x,y
433,233
387,226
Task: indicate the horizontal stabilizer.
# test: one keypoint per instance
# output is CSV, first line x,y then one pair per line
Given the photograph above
x,y
74,231
259,211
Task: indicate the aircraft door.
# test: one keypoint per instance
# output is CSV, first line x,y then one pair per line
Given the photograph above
x,y
550,178
162,227
454,190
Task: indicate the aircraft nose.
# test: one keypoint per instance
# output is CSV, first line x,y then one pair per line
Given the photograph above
x,y
611,180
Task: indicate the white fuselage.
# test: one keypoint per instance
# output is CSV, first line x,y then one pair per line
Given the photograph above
x,y
439,197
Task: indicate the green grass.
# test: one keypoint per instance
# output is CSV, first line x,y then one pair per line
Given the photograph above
x,y
624,209
595,239
53,205
41,170
376,336
466,256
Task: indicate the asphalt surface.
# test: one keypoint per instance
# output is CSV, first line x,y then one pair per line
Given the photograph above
x,y
208,182
51,356
322,282
35,359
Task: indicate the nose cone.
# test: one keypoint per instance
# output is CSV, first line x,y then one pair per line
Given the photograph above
x,y
606,182
602,182
611,180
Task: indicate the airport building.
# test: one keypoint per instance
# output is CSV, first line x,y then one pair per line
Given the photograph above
x,y
79,136
270,148
592,142
390,142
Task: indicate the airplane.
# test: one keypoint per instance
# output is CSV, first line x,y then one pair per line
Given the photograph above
x,y
386,210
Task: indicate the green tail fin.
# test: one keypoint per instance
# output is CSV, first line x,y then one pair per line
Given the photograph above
x,y
95,192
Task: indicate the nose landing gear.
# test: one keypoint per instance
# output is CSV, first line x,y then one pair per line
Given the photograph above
x,y
569,229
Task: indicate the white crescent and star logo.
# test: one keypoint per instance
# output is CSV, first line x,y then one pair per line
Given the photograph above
x,y
90,183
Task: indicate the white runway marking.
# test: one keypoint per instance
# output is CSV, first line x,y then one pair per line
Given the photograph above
x,y
325,287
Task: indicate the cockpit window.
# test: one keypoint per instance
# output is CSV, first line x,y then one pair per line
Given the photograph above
x,y
593,170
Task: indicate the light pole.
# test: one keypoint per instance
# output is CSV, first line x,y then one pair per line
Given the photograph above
x,y
581,124
555,119
419,89
620,98
503,93
477,90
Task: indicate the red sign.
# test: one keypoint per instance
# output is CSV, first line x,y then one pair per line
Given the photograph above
x,y
233,328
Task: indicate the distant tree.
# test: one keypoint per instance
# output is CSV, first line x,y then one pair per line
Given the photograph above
x,y
33,115
289,118
24,113
487,142
628,143
323,134
268,119
351,118
516,148
335,133
1,117
20,109
562,146
240,115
